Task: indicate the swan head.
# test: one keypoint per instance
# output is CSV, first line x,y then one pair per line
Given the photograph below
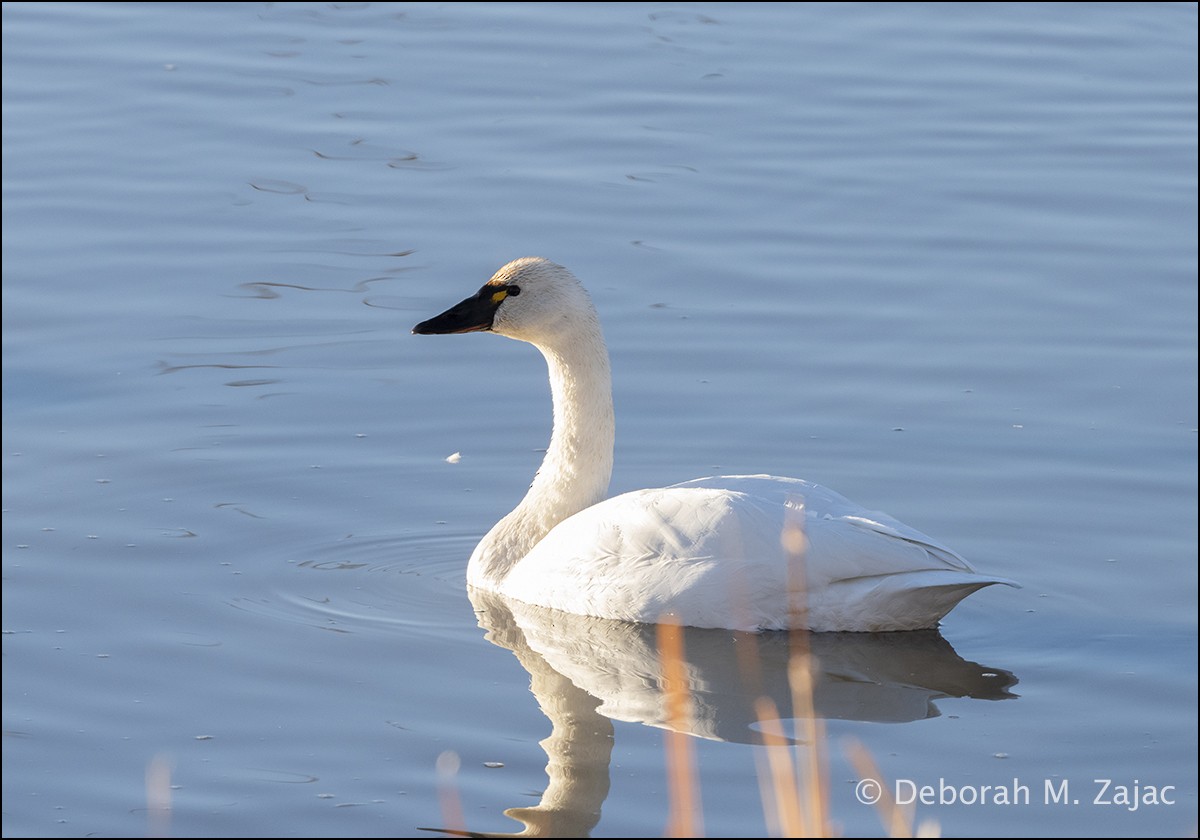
x,y
530,299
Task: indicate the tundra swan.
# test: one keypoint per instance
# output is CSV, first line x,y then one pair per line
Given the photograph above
x,y
749,552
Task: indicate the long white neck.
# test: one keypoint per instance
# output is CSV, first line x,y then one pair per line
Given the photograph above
x,y
578,465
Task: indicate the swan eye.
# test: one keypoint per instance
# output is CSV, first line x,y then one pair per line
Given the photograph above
x,y
514,290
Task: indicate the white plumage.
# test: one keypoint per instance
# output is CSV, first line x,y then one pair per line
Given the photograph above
x,y
738,552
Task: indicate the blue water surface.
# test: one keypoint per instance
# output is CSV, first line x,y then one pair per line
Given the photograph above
x,y
941,258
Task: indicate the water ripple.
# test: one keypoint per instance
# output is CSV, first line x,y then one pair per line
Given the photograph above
x,y
408,583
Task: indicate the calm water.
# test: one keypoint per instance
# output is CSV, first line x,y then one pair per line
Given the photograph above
x,y
939,258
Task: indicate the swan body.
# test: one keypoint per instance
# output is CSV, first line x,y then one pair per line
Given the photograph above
x,y
736,552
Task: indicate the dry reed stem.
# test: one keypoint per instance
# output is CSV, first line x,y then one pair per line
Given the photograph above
x,y
780,784
158,797
897,819
684,818
814,788
447,772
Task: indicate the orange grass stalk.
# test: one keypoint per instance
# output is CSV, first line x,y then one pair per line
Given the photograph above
x,y
447,774
814,773
897,819
780,785
158,797
684,819
795,791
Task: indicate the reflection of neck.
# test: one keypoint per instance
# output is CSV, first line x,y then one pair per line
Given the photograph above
x,y
579,748
575,472
581,739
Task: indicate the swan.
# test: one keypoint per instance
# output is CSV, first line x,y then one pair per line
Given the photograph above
x,y
743,552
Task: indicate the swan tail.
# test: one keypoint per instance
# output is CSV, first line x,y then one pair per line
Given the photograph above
x,y
884,603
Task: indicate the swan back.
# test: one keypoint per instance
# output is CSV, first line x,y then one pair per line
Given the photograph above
x,y
712,552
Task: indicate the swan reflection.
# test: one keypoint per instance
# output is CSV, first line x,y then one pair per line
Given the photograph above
x,y
586,672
